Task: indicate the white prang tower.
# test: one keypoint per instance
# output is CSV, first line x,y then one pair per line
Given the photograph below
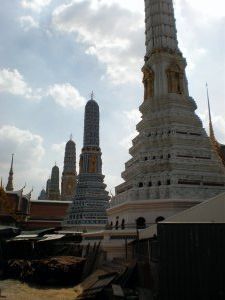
x,y
173,164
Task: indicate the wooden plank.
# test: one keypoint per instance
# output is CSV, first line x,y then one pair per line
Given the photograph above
x,y
117,290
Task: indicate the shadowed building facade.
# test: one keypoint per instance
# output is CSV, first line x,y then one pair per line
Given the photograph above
x,y
88,210
69,175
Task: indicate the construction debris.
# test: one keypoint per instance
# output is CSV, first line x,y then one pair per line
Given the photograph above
x,y
62,270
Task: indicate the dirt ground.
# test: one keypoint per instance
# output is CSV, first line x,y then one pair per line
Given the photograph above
x,y
15,290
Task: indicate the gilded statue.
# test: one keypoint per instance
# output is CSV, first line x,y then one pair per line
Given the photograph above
x,y
175,78
92,168
148,81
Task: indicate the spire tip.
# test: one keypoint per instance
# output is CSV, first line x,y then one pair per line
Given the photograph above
x,y
92,95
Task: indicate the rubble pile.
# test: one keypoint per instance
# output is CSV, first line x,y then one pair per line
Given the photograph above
x,y
50,271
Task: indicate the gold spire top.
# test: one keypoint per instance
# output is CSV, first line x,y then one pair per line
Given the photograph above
x,y
216,145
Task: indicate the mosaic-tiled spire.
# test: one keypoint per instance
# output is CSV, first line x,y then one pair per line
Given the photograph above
x,y
48,183
54,193
9,186
42,195
69,175
91,123
91,200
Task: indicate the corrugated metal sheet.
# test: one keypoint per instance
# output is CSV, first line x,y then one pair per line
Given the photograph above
x,y
192,261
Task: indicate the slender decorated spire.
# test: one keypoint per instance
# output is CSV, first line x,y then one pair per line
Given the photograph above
x,y
9,186
91,123
211,130
54,193
69,175
90,201
161,33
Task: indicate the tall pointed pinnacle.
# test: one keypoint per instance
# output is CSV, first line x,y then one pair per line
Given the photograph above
x,y
161,33
69,175
211,130
9,186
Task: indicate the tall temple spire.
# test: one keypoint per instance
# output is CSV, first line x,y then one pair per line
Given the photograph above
x,y
54,193
91,124
9,186
69,175
161,33
88,209
173,165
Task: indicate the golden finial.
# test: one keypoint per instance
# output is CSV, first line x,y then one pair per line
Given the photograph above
x,y
92,95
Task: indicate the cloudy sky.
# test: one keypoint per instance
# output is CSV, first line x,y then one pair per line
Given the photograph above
x,y
53,53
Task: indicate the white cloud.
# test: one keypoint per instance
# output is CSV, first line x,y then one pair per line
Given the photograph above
x,y
29,153
113,34
11,81
205,8
134,115
59,148
28,22
66,95
35,5
219,127
131,119
25,144
112,181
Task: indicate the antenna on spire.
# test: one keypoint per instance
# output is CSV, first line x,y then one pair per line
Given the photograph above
x,y
71,137
92,95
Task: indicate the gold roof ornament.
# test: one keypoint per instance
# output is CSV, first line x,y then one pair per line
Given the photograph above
x,y
219,148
